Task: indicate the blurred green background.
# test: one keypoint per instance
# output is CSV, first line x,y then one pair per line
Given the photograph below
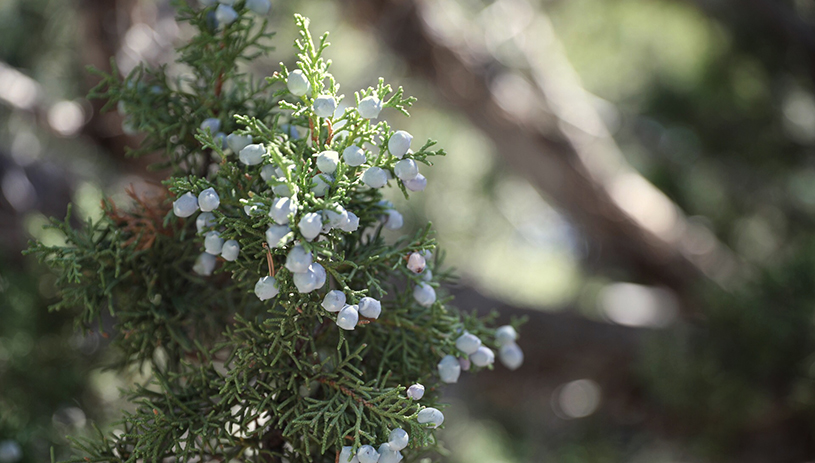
x,y
637,177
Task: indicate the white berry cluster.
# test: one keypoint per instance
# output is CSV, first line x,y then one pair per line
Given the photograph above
x,y
450,366
388,452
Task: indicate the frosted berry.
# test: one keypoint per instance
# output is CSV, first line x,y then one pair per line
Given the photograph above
x,y
322,184
468,343
274,235
432,416
399,143
208,200
252,155
352,225
394,219
370,307
185,205
298,83
427,275
267,172
375,177
204,264
419,183
449,369
415,391
259,7
310,225
282,189
505,335
336,219
369,107
305,282
230,250
225,15
237,142
220,140
482,357
298,260
213,243
348,317
416,262
346,456
398,439
212,124
334,301
511,355
389,455
327,161
465,363
406,169
325,105
266,288
367,454
205,221
354,156
282,208
424,294
319,271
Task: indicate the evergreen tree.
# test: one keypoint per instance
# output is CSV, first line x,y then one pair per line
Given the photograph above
x,y
275,320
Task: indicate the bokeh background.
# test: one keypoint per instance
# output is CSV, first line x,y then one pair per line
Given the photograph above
x,y
637,177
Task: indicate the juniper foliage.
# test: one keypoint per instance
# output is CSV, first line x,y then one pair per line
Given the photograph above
x,y
232,377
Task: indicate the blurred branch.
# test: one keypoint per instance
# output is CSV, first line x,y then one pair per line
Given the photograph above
x,y
546,128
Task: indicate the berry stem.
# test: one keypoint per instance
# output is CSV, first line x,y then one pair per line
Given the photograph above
x,y
269,259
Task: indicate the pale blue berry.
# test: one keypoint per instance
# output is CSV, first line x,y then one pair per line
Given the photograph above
x,y
220,140
406,169
416,262
238,142
325,105
275,235
465,363
348,317
305,282
354,156
298,83
259,7
394,220
388,454
319,271
10,451
449,369
415,391
334,301
310,225
252,155
505,334
370,307
185,205
282,189
424,294
212,124
322,184
468,343
431,416
327,161
398,439
482,357
346,456
230,250
352,225
282,208
213,243
375,177
298,260
208,200
369,107
225,15
205,221
511,355
266,288
204,264
427,275
367,454
267,172
418,183
336,218
399,143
